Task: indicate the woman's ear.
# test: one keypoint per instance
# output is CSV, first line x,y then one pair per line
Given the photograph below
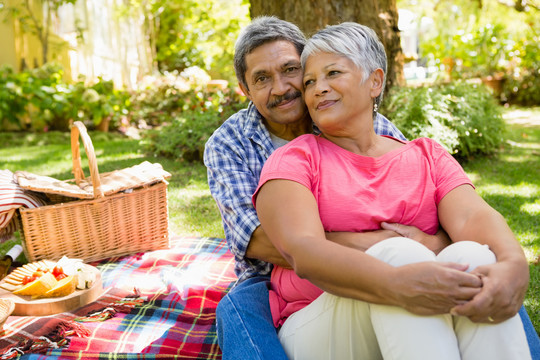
x,y
377,82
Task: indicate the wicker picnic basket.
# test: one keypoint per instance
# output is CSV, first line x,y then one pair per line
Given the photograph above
x,y
130,217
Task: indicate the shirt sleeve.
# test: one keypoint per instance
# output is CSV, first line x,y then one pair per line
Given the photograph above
x,y
232,184
383,126
294,161
449,173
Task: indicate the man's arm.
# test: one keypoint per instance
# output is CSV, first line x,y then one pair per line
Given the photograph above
x,y
232,182
260,247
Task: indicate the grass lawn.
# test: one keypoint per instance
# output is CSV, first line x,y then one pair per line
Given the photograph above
x,y
509,181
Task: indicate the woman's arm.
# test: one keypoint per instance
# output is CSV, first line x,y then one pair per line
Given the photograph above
x,y
289,215
466,216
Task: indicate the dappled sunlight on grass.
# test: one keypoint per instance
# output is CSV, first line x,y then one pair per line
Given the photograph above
x,y
522,190
521,145
475,177
531,208
517,159
531,252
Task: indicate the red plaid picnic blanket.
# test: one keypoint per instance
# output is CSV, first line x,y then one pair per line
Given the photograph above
x,y
181,287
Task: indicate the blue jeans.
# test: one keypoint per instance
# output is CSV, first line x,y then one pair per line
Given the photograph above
x,y
244,323
532,335
246,331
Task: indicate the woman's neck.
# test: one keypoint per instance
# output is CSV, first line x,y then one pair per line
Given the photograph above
x,y
362,140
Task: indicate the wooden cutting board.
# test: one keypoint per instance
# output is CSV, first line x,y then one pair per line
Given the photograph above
x,y
24,305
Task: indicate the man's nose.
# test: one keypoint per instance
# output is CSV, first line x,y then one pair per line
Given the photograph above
x,y
280,85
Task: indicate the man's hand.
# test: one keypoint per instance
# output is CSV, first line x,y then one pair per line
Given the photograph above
x,y
435,242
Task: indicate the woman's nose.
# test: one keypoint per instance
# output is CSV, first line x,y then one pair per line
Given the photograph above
x,y
321,88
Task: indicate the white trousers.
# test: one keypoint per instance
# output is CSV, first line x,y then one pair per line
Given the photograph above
x,y
338,328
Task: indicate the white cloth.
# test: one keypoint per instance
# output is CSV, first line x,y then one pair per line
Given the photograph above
x,y
333,327
12,197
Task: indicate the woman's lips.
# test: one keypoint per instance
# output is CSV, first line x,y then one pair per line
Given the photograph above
x,y
325,104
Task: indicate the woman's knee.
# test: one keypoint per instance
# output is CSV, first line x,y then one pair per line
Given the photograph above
x,y
467,252
399,251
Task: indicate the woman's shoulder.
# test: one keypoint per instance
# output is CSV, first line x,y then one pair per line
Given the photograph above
x,y
428,144
303,147
305,142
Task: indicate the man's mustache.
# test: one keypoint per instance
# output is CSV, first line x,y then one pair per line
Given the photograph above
x,y
291,95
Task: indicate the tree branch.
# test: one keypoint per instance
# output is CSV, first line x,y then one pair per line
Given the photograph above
x,y
520,5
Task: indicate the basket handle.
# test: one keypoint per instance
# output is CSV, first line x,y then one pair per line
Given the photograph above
x,y
77,129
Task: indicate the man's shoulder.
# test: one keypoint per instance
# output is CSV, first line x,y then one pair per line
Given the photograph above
x,y
236,123
303,143
242,124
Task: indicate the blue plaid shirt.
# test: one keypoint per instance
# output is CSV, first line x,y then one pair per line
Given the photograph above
x,y
234,156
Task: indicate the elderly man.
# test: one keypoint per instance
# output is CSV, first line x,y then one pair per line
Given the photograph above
x,y
267,65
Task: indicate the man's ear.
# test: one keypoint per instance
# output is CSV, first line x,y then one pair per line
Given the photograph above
x,y
377,82
245,90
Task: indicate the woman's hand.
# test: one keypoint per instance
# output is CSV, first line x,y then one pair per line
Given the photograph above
x,y
432,288
466,216
505,284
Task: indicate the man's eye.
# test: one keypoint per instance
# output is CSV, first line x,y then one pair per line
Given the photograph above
x,y
291,69
261,79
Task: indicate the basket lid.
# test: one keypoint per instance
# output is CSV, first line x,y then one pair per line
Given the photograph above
x,y
113,182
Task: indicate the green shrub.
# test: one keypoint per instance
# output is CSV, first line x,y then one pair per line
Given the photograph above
x,y
522,87
185,136
192,122
522,90
462,117
39,100
12,102
33,99
100,104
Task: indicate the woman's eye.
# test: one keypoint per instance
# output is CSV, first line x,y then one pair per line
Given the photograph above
x,y
308,82
333,72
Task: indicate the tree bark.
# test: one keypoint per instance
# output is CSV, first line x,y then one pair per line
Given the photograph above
x,y
312,15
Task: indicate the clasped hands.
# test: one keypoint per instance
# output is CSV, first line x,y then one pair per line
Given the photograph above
x,y
488,294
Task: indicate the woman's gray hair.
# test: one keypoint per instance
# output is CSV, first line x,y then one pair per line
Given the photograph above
x,y
358,43
260,31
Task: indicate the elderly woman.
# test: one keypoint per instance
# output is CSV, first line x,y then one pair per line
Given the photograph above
x,y
398,299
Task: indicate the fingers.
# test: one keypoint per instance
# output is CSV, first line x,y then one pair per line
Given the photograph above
x,y
403,230
489,307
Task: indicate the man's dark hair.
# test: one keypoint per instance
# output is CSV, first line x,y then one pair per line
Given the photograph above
x,y
262,30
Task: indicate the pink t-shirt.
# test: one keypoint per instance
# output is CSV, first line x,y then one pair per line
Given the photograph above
x,y
356,193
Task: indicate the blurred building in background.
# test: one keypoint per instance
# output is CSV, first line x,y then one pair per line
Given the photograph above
x,y
88,38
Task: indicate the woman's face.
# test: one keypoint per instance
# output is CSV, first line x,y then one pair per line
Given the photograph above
x,y
334,92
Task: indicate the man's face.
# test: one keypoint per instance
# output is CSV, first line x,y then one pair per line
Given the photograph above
x,y
274,80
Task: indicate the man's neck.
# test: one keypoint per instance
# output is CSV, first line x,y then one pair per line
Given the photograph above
x,y
290,131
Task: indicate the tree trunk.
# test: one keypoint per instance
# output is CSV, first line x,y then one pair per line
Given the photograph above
x,y
312,15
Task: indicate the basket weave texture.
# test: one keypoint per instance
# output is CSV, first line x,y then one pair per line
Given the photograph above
x,y
102,227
